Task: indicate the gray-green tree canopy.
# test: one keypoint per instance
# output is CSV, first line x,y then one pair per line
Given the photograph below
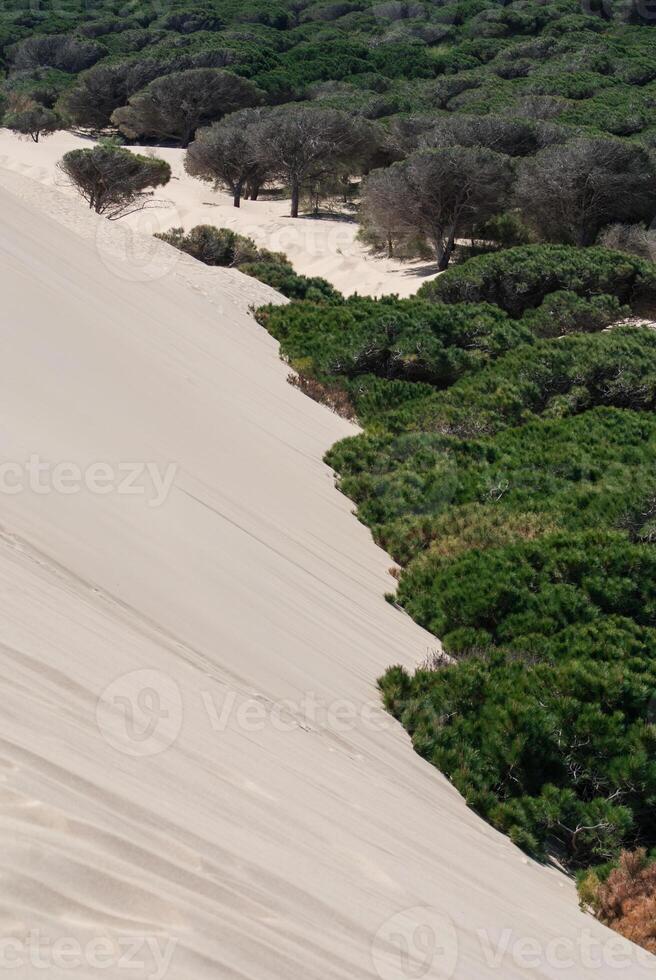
x,y
112,180
33,120
438,195
303,143
104,88
226,154
64,52
570,192
175,106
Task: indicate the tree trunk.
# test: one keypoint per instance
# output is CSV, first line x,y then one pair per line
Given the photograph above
x,y
587,237
236,196
444,249
296,195
390,248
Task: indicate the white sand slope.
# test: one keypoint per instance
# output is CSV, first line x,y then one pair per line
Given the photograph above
x,y
317,247
196,775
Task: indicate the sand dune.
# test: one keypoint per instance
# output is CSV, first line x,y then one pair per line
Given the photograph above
x,y
325,247
196,774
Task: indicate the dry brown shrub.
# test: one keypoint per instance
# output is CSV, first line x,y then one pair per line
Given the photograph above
x,y
626,901
331,395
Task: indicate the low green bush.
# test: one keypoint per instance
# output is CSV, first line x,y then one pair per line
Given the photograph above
x,y
281,276
555,750
564,312
406,340
522,593
553,378
519,279
219,246
425,493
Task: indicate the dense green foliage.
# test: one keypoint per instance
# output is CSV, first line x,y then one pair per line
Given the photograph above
x,y
507,464
33,120
281,276
593,70
469,118
555,748
425,492
518,279
407,340
548,379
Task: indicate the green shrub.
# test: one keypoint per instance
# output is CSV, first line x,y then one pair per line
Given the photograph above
x,y
564,312
214,246
394,339
544,746
552,378
533,589
422,492
519,279
281,276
